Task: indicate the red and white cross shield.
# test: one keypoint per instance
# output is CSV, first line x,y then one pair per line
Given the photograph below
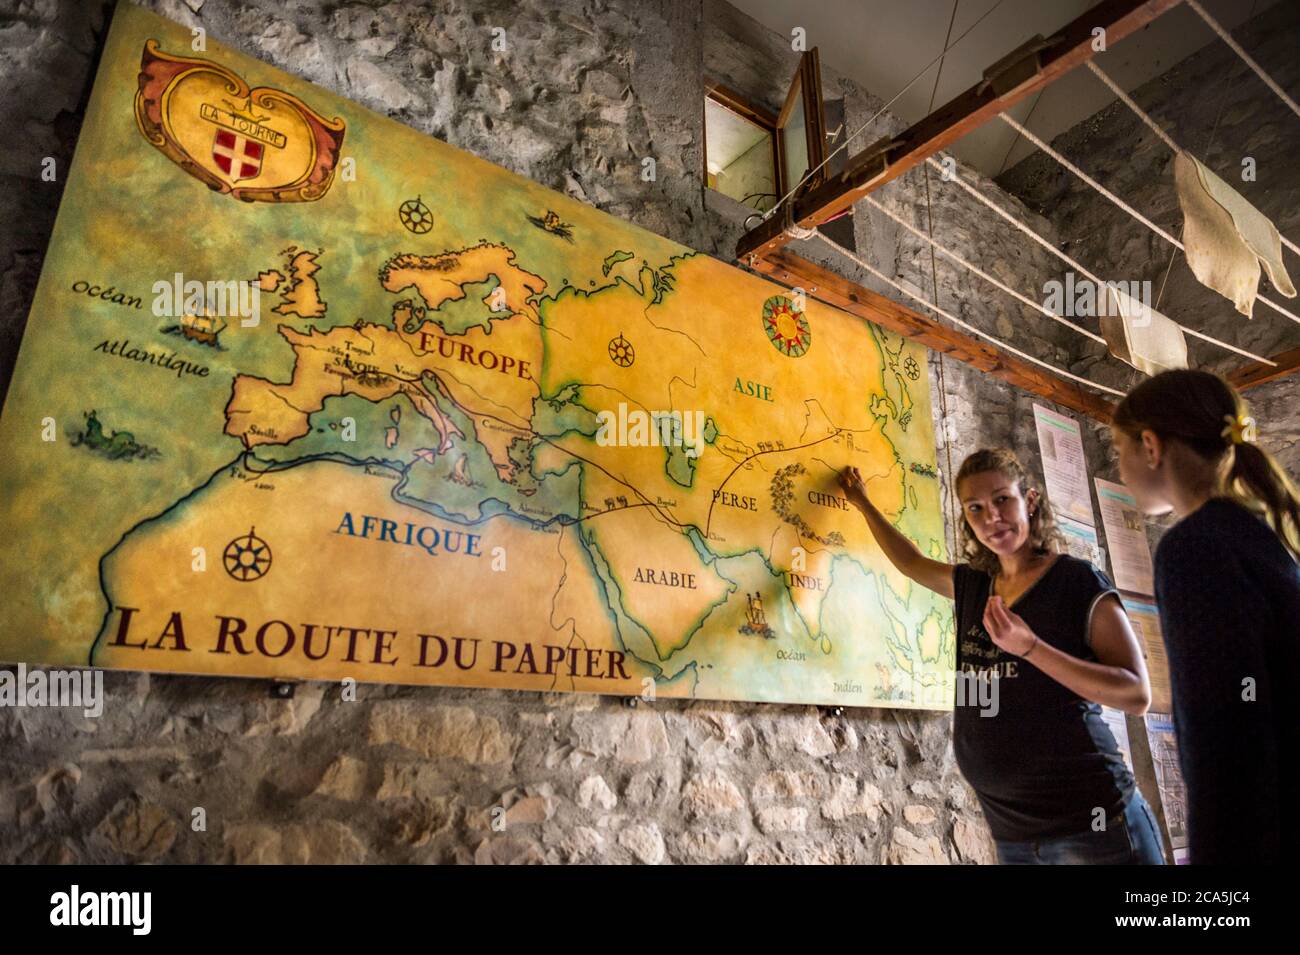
x,y
237,156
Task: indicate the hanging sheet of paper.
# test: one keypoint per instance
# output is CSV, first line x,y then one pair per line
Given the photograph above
x,y
1169,779
1081,541
1140,336
1226,237
1065,469
1126,538
1145,620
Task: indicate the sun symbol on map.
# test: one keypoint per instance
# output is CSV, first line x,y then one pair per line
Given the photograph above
x,y
621,351
912,368
248,557
786,326
415,215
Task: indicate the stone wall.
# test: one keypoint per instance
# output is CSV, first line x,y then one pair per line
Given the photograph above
x,y
414,774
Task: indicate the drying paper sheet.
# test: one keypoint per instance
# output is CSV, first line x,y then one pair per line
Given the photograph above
x,y
1226,238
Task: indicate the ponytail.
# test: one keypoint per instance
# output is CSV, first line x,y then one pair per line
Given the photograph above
x,y
1258,481
1191,407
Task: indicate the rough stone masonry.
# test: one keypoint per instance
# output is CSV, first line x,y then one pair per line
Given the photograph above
x,y
419,775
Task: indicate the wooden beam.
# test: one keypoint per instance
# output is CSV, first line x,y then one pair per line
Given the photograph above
x,y
1256,372
823,284
1020,74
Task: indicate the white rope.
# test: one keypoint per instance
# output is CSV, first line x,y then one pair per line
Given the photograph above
x,y
1089,180
880,112
1120,202
961,324
1226,37
994,207
1154,126
1114,88
981,273
1278,308
1142,115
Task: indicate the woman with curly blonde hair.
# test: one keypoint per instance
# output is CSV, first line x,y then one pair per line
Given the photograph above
x,y
1046,634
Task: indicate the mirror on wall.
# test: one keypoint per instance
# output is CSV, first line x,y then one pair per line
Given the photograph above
x,y
755,155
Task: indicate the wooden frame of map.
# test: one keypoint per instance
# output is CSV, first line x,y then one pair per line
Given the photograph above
x,y
306,394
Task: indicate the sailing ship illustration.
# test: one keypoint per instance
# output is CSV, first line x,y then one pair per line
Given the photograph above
x,y
202,328
755,619
551,223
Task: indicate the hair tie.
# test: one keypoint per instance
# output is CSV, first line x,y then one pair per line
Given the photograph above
x,y
1240,429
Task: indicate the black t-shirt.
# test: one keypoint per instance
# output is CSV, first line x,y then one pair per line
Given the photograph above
x,y
1229,597
1046,760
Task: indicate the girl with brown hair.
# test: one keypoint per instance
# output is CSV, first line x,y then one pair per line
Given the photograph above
x,y
1228,588
1045,632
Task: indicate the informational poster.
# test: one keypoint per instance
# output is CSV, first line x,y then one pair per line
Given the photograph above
x,y
1145,621
1126,538
1169,778
1081,541
305,393
1065,468
1118,724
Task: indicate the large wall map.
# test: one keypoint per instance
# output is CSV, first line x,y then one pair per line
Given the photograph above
x,y
469,431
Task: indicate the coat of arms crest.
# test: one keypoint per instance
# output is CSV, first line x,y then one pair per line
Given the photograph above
x,y
259,145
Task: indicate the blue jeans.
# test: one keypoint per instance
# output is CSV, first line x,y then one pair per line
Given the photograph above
x,y
1130,838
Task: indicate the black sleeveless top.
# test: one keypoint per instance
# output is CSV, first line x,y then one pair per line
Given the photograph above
x,y
1045,760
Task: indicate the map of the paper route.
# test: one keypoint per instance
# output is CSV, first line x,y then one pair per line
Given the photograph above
x,y
427,460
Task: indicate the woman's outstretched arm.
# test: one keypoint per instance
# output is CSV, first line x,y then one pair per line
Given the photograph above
x,y
902,553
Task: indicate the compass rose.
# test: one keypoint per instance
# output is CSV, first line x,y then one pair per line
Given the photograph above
x,y
248,557
415,215
621,351
786,326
